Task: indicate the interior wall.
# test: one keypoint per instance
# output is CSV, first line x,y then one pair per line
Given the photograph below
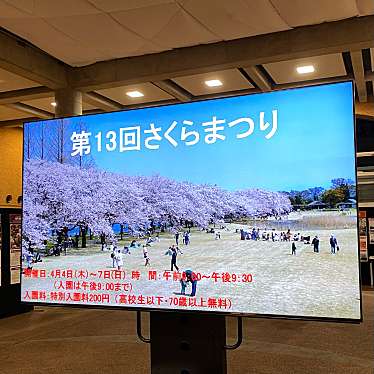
x,y
10,166
365,267
365,143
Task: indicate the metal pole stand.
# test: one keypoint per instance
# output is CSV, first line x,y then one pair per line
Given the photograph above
x,y
188,343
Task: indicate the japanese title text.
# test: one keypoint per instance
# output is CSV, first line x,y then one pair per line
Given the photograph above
x,y
133,138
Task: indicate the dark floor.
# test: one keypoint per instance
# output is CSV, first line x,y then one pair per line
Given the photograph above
x,y
82,341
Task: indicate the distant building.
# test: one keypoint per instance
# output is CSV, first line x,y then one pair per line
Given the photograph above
x,y
350,203
316,205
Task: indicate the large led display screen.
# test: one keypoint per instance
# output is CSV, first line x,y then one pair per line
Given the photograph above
x,y
241,205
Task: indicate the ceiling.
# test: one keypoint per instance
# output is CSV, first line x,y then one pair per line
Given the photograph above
x,y
46,104
326,66
151,93
9,113
10,81
81,32
232,80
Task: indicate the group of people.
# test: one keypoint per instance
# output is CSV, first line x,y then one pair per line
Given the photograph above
x,y
334,247
271,235
188,276
116,253
287,236
185,237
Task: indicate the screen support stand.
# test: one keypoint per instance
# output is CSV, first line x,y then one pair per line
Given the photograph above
x,y
188,343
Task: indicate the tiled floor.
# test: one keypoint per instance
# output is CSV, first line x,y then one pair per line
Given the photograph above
x,y
82,341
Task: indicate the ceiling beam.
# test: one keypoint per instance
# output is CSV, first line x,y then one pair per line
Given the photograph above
x,y
30,110
366,204
174,90
365,110
25,94
365,168
93,111
101,102
259,78
307,41
17,122
151,104
22,58
365,154
369,76
359,75
312,82
365,182
220,95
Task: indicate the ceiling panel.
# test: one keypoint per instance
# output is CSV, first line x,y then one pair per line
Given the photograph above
x,y
166,25
326,66
10,81
151,93
48,8
53,41
148,23
7,114
236,18
365,7
14,10
184,30
45,104
99,31
232,80
301,12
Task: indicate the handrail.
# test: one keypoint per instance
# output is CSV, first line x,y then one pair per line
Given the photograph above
x,y
240,336
139,328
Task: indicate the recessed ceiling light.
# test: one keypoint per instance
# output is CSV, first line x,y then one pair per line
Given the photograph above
x,y
213,83
305,69
134,94
53,103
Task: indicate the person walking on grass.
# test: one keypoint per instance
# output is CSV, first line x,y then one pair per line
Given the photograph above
x,y
293,249
177,238
173,259
146,257
315,244
118,258
333,244
102,241
112,249
187,238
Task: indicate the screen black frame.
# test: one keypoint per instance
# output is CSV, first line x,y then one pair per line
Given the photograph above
x,y
207,313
